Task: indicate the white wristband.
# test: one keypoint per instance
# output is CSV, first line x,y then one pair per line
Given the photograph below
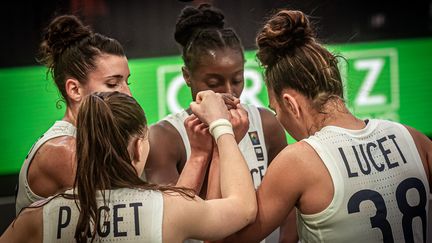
x,y
219,127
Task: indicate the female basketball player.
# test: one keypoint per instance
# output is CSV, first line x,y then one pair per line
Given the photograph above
x,y
111,203
351,180
213,60
80,62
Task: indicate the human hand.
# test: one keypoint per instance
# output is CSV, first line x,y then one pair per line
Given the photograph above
x,y
230,101
200,139
240,122
209,106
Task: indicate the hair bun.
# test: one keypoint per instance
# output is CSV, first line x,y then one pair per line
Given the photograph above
x,y
63,31
285,31
192,19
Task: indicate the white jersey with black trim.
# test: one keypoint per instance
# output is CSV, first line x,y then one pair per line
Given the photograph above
x,y
25,196
380,187
129,215
252,145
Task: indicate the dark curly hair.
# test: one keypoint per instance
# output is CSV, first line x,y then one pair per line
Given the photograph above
x,y
199,29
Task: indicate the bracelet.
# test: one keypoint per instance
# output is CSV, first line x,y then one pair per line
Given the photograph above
x,y
219,127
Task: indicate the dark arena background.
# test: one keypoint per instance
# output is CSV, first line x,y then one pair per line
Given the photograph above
x,y
392,40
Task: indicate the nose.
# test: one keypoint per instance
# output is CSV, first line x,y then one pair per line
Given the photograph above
x,y
126,90
229,88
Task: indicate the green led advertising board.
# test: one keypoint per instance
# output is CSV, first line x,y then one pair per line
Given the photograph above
x,y
390,80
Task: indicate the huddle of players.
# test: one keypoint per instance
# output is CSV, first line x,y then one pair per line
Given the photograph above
x,y
349,179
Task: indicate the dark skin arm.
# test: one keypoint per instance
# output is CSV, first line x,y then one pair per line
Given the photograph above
x,y
424,147
166,152
168,155
201,142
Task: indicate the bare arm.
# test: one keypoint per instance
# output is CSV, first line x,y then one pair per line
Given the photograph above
x,y
276,141
53,167
27,227
424,147
166,151
277,195
213,182
193,173
217,218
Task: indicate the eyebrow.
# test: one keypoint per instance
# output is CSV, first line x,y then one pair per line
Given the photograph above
x,y
117,76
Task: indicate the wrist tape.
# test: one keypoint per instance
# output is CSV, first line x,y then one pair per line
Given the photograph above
x,y
219,127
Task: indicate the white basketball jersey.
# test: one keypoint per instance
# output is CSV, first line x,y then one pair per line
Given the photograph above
x,y
380,187
252,145
25,196
130,215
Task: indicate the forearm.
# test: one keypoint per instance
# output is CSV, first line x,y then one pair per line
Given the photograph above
x,y
193,173
288,230
234,173
213,183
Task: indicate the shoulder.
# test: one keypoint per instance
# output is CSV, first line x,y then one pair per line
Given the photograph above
x,y
294,155
423,145
60,150
268,119
56,157
166,149
163,133
60,147
294,165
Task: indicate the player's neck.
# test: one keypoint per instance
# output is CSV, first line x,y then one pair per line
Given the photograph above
x,y
337,114
71,114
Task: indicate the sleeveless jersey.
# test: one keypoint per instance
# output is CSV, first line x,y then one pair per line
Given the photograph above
x,y
380,186
129,215
25,196
252,145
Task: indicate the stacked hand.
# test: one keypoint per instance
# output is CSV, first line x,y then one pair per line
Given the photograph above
x,y
199,137
210,106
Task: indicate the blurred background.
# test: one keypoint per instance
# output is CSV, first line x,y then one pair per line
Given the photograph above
x,y
397,35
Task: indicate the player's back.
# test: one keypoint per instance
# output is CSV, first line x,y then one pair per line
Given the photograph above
x,y
380,186
131,215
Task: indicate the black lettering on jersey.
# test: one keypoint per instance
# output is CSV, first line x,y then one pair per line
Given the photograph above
x,y
393,138
369,147
136,216
350,174
105,213
257,170
105,224
67,220
385,153
117,219
363,154
367,169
